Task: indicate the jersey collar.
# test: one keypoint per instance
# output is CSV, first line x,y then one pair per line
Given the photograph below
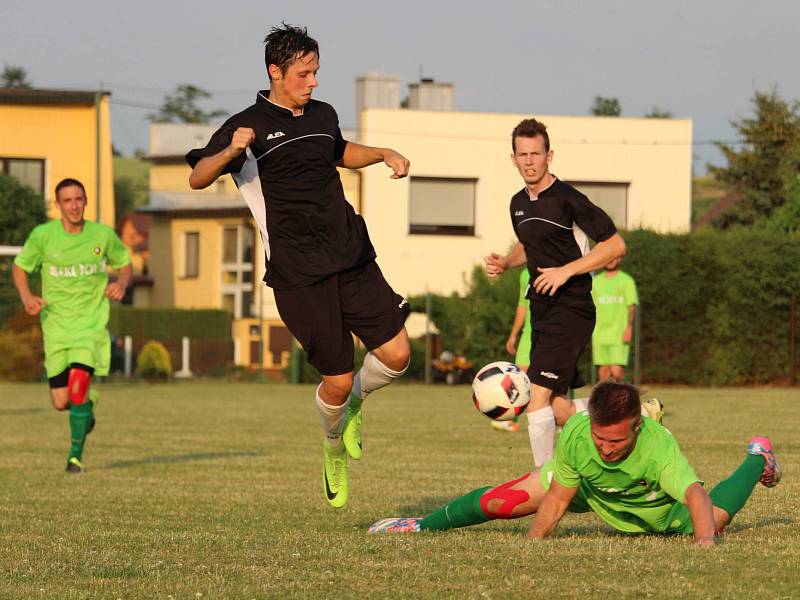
x,y
544,191
262,99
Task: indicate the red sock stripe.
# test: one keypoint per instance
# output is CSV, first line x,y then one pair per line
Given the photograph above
x,y
78,385
511,499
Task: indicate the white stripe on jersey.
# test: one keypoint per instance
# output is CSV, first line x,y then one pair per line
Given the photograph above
x,y
294,140
540,219
581,239
250,187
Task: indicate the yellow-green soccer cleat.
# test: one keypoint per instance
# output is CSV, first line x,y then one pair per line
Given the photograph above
x,y
74,465
351,435
334,474
654,409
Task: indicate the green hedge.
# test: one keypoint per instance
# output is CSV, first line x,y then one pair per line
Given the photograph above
x,y
715,305
169,323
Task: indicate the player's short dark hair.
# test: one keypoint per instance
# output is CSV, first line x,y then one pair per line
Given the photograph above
x,y
67,183
530,128
285,44
612,402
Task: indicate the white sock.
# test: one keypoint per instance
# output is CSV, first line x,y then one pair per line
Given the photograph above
x,y
332,418
580,404
542,432
372,376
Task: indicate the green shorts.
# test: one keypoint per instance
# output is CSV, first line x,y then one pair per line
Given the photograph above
x,y
95,354
611,354
668,519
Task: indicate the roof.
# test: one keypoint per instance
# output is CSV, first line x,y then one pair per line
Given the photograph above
x,y
193,204
42,96
173,140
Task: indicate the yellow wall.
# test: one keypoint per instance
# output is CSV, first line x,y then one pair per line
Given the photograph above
x,y
652,155
65,136
174,177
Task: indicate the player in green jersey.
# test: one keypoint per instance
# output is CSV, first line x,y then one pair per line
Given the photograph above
x,y
73,256
626,468
615,298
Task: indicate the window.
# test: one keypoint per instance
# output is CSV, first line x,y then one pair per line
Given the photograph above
x,y
29,171
442,206
191,254
611,197
238,242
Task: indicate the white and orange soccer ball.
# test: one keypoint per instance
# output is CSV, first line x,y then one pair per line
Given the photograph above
x,y
501,391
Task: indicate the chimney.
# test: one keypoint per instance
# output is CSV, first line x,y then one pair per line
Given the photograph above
x,y
429,95
376,90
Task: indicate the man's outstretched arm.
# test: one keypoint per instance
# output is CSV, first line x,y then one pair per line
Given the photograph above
x,y
553,506
357,156
701,510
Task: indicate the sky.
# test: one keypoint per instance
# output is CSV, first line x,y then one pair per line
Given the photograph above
x,y
702,59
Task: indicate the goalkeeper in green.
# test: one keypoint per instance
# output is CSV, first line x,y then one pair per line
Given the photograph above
x,y
626,468
73,256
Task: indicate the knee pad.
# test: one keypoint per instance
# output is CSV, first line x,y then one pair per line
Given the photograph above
x,y
78,385
510,499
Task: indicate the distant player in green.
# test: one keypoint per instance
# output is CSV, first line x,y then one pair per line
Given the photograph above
x,y
626,468
73,256
615,298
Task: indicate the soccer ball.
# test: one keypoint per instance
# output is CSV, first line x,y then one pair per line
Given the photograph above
x,y
501,390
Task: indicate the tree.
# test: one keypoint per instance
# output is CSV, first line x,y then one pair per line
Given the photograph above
x,y
21,209
14,76
606,107
658,113
181,107
762,171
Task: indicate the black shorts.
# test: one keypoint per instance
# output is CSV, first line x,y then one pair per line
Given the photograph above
x,y
324,316
559,336
62,379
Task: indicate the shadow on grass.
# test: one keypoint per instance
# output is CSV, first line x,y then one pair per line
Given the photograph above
x,y
181,458
21,411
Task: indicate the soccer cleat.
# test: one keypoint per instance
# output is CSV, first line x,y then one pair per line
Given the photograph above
x,y
761,446
74,465
508,426
654,409
396,525
334,474
351,434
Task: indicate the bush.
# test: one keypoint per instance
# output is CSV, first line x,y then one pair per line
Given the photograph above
x,y
154,362
169,323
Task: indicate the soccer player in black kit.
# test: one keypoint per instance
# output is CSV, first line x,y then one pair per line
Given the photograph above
x,y
553,222
282,153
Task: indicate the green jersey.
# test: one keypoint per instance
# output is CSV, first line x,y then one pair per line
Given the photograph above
x,y
524,279
74,279
612,296
634,495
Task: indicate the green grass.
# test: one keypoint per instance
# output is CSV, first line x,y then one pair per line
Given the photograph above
x,y
706,192
133,168
213,490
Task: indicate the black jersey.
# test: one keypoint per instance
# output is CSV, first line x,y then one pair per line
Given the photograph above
x,y
554,229
289,180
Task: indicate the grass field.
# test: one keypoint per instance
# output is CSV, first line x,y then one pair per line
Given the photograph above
x,y
213,490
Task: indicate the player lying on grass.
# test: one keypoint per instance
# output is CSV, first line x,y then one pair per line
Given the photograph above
x,y
627,469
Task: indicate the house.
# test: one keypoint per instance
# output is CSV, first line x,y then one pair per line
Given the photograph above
x,y
49,135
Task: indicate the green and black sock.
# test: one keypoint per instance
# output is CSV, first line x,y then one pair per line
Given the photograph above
x,y
80,415
461,512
